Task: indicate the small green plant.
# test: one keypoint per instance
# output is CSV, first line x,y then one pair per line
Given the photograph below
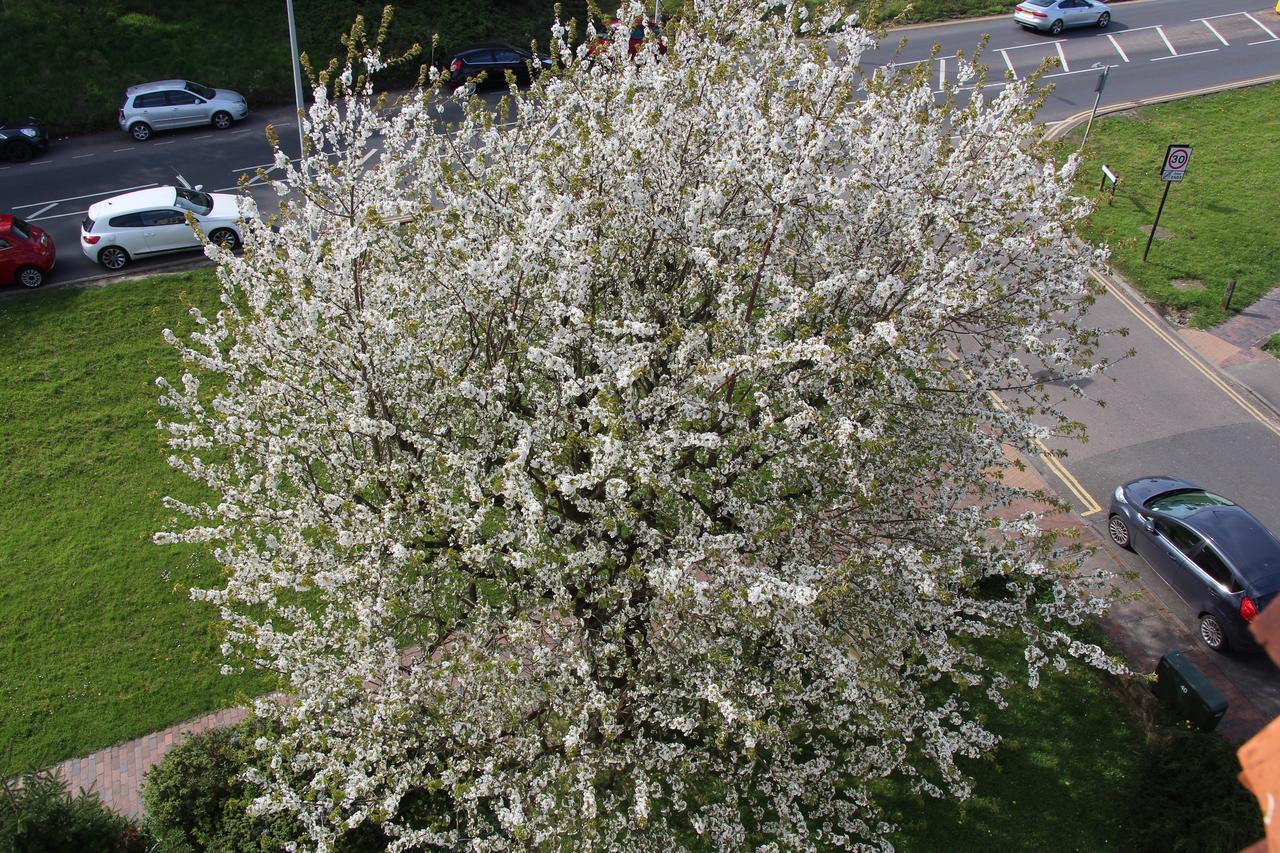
x,y
39,815
1273,345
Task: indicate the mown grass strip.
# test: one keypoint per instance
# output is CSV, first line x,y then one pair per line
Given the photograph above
x,y
101,642
1218,224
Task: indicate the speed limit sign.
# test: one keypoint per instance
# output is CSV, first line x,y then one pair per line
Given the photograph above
x,y
1175,163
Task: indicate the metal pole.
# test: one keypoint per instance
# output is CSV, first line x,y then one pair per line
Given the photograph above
x,y
297,71
1096,99
1156,225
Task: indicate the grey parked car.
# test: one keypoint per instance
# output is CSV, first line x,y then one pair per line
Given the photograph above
x,y
1218,558
1054,16
167,104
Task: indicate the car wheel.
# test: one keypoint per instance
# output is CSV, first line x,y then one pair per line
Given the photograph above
x,y
17,151
1119,532
1212,634
30,276
226,238
1055,28
222,120
1104,20
141,131
113,258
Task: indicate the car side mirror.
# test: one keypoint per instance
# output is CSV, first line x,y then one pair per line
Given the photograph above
x,y
1149,523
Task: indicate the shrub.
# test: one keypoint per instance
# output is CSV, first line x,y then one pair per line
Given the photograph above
x,y
38,814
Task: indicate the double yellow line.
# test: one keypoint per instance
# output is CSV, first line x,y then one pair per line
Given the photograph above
x,y
1060,471
1182,350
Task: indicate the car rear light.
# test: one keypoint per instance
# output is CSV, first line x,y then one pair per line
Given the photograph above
x,y
456,66
1248,610
92,239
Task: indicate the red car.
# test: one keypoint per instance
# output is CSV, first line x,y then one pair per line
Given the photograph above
x,y
26,252
634,39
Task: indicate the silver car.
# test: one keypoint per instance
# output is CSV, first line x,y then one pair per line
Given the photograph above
x,y
167,104
1054,16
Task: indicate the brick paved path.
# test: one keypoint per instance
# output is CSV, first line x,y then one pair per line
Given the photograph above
x,y
1254,324
115,774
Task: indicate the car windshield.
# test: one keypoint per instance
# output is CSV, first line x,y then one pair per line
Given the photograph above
x,y
203,91
1182,504
195,201
21,228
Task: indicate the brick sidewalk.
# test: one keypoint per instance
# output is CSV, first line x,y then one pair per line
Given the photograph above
x,y
1252,326
115,774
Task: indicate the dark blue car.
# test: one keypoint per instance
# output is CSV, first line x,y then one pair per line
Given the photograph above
x,y
1218,558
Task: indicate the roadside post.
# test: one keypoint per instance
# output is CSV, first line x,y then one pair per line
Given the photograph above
x,y
1108,175
1226,297
1104,71
1174,168
297,76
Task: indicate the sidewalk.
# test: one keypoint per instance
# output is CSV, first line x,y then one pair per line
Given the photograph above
x,y
115,774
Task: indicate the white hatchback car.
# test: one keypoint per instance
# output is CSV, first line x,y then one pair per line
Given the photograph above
x,y
154,221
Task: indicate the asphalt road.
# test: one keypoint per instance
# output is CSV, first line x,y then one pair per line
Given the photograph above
x,y
1156,47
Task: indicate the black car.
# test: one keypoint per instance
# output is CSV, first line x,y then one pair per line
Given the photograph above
x,y
20,140
494,60
1214,554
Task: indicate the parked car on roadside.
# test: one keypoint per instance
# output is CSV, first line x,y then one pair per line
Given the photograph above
x,y
494,59
1054,16
1217,557
21,139
154,221
27,253
168,104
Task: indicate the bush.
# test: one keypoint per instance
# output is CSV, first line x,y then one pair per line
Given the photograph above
x,y
195,797
39,815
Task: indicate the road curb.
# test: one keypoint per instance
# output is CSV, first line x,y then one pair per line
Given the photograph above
x,y
105,278
1066,125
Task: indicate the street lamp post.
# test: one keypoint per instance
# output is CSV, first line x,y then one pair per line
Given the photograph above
x,y
1103,72
297,71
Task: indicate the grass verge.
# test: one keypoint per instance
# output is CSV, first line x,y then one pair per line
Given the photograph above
x,y
101,643
1218,224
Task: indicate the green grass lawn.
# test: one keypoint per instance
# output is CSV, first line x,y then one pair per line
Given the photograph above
x,y
1220,223
100,641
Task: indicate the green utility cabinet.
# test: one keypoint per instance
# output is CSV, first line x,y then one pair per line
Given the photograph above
x,y
1185,691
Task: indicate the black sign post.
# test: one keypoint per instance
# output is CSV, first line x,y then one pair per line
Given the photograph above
x,y
1174,168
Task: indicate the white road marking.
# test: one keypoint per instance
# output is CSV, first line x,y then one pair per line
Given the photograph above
x,y
59,215
1164,39
1119,49
1031,44
1180,55
87,195
366,157
942,76
42,210
1264,41
1274,37
81,156
1215,32
118,150
170,142
1062,57
1009,65
183,181
259,166
206,136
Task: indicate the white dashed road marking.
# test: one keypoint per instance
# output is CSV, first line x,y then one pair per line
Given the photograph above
x,y
1215,32
1062,57
1180,55
1265,29
1119,49
36,215
1165,39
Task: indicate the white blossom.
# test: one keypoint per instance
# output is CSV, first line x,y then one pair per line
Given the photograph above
x,y
636,481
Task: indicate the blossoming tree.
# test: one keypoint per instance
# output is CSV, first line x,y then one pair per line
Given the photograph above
x,y
618,472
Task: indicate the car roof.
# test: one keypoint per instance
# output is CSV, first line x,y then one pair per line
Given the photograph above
x,y
134,201
1243,540
155,86
490,45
